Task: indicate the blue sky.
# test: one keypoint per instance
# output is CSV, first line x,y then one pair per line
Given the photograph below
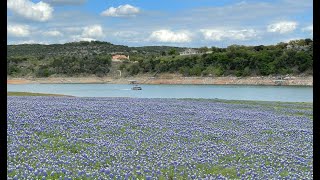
x,y
185,23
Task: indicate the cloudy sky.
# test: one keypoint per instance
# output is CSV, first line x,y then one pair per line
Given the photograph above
x,y
191,23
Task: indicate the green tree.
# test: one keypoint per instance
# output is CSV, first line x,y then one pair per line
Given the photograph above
x,y
203,49
43,71
214,70
173,52
133,69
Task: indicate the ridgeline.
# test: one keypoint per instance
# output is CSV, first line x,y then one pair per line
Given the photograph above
x,y
80,59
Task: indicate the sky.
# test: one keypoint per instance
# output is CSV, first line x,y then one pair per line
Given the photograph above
x,y
182,23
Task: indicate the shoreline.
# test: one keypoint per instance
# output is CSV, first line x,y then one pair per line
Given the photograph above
x,y
15,93
171,79
229,101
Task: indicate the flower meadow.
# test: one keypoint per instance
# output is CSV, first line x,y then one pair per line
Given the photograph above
x,y
132,138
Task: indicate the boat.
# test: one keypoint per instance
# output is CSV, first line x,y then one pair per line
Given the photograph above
x,y
136,88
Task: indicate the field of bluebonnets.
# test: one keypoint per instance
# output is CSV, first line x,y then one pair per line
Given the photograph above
x,y
128,138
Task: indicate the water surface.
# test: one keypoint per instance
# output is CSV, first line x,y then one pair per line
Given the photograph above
x,y
230,92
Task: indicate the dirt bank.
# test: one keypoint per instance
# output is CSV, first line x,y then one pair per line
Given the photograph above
x,y
173,79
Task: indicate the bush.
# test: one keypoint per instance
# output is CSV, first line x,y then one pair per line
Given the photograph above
x,y
214,70
43,71
133,69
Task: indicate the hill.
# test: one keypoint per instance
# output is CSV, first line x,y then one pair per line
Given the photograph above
x,y
94,58
82,48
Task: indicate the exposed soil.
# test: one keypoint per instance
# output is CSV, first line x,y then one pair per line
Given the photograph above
x,y
172,79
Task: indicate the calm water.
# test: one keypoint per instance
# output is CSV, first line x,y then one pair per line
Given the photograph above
x,y
231,92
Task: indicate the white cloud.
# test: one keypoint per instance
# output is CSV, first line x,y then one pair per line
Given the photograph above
x,y
89,33
53,33
18,30
30,42
221,34
282,27
34,11
121,11
170,36
308,29
94,31
79,38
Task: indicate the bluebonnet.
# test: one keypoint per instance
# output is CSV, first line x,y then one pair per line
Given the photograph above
x,y
103,138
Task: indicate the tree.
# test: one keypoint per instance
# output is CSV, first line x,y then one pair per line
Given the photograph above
x,y
214,70
173,52
43,71
246,71
185,71
203,49
73,59
196,70
259,48
308,41
13,69
133,69
101,71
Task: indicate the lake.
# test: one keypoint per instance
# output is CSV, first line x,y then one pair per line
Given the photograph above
x,y
229,92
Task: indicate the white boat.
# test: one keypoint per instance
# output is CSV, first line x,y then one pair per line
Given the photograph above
x,y
136,88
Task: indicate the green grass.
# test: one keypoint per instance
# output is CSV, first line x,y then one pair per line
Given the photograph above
x,y
12,174
284,173
277,105
32,94
267,131
230,172
250,102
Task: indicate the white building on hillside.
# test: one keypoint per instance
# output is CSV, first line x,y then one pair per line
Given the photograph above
x,y
189,52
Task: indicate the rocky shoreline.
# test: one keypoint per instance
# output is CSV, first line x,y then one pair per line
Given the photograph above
x,y
173,79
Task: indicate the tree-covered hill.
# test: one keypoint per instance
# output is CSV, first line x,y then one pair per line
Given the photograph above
x,y
87,58
82,49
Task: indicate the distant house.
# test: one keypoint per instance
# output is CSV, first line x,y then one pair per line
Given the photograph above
x,y
297,47
119,57
189,52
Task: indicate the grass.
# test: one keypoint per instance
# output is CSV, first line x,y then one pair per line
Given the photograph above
x,y
284,173
230,172
32,94
250,102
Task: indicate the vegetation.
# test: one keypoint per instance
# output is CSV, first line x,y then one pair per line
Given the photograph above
x,y
30,94
83,48
67,65
88,58
52,138
295,57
